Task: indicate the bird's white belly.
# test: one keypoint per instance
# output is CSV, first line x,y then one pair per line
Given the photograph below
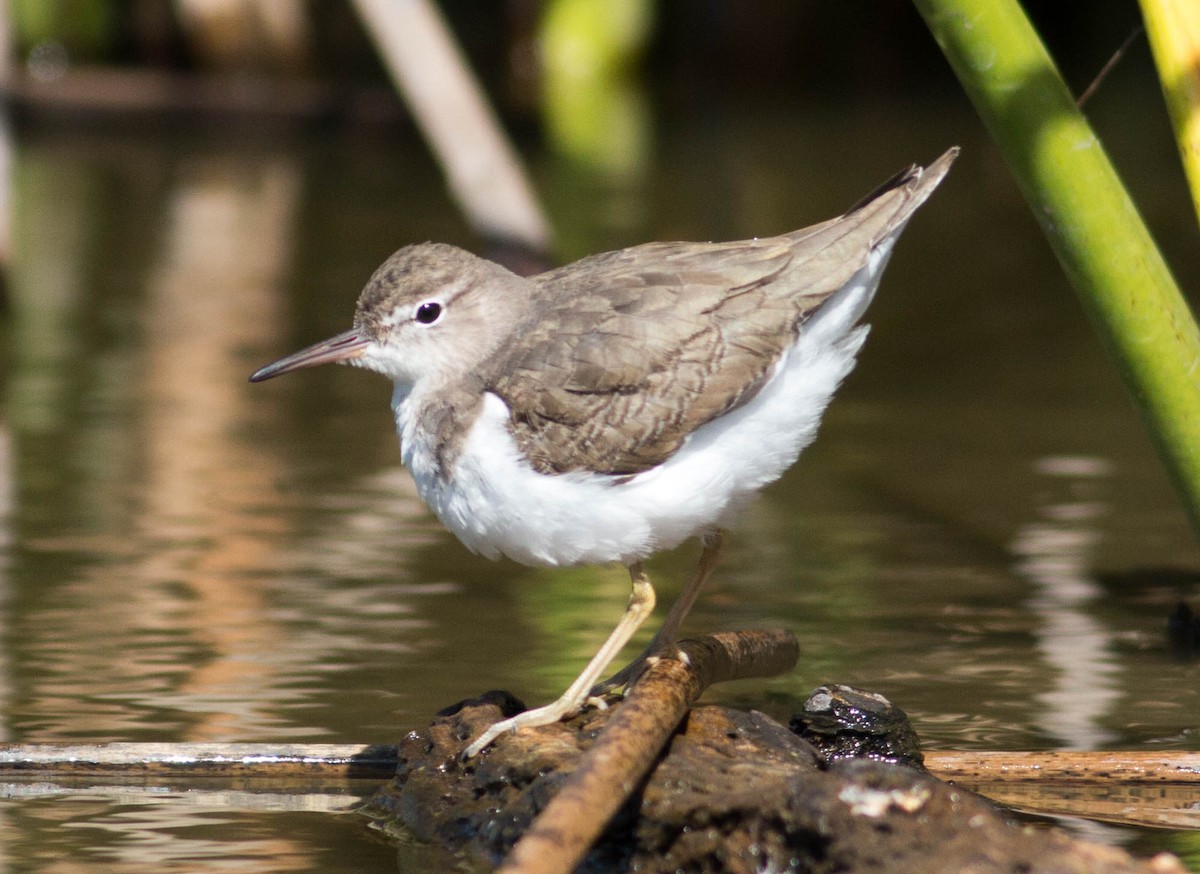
x,y
496,503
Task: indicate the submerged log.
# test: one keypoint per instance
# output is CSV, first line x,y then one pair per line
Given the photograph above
x,y
730,792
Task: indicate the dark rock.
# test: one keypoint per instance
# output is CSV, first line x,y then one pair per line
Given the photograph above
x,y
843,722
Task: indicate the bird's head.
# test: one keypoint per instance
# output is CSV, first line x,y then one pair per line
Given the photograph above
x,y
430,310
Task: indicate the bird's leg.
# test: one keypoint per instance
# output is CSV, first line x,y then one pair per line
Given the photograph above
x,y
640,606
713,547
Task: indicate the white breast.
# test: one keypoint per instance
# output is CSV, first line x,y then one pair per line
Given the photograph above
x,y
496,503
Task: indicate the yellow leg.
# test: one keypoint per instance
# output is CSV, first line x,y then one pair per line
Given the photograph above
x,y
710,555
641,605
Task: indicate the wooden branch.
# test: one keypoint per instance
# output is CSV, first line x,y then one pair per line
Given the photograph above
x,y
198,760
1156,790
1142,788
633,738
378,761
1066,768
315,797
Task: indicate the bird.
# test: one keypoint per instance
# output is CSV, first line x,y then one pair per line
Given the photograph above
x,y
621,404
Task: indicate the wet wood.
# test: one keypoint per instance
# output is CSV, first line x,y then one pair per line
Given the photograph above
x,y
199,760
259,795
623,753
1146,789
1066,768
734,792
1100,769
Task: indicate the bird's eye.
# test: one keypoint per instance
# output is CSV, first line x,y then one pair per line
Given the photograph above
x,y
428,312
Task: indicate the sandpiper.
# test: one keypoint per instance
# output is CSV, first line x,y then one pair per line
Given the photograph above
x,y
619,405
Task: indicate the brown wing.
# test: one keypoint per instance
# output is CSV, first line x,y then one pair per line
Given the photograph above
x,y
631,351
650,343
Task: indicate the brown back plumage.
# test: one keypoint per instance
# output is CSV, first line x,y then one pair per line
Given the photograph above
x,y
630,351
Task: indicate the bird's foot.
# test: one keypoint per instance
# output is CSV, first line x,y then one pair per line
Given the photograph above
x,y
641,602
600,696
550,713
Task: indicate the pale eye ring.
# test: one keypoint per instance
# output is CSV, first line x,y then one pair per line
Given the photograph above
x,y
428,312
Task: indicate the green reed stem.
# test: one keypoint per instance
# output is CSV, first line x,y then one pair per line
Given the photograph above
x,y
1088,217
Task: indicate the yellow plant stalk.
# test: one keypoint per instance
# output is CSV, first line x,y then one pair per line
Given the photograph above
x,y
1174,30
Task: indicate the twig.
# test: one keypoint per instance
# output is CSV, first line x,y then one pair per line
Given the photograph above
x,y
1108,67
633,738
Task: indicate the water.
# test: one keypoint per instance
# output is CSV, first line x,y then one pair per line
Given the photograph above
x,y
188,557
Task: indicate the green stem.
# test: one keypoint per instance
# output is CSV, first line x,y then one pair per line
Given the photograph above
x,y
1091,223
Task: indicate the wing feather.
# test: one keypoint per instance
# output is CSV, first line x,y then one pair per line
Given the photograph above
x,y
630,351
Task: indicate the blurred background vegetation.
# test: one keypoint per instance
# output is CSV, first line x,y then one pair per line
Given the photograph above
x,y
687,50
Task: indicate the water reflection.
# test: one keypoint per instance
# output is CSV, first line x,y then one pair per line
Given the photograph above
x,y
154,566
8,480
172,831
224,254
1057,553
